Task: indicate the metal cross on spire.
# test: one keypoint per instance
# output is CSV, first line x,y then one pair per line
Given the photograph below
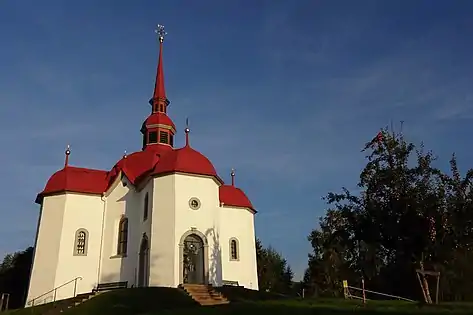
x,y
161,32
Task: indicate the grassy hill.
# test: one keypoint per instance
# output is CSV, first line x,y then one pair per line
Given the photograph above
x,y
162,301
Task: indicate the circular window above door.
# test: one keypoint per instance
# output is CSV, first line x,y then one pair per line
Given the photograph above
x,y
194,203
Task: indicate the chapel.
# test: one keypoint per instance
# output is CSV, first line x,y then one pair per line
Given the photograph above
x,y
161,216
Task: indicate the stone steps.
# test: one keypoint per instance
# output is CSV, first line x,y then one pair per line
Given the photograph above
x,y
204,294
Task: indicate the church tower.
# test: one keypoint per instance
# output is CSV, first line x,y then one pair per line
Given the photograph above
x,y
158,129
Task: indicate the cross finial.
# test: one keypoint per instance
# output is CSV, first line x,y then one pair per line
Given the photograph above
x,y
187,125
161,32
187,130
233,176
68,152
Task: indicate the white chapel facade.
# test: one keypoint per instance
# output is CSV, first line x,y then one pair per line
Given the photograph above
x,y
159,217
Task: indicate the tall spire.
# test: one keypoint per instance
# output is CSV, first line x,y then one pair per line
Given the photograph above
x,y
159,96
158,129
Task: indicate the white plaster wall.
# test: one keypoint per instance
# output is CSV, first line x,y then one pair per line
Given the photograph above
x,y
140,226
205,220
169,218
239,223
45,260
120,200
80,212
162,237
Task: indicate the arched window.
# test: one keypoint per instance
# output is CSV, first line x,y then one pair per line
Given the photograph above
x,y
234,254
145,207
81,241
122,237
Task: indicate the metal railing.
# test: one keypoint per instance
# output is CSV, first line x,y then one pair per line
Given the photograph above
x,y
31,302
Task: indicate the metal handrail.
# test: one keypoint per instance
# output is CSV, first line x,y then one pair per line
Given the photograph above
x,y
55,290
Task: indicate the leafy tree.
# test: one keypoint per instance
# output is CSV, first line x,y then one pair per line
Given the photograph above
x,y
408,215
274,274
14,276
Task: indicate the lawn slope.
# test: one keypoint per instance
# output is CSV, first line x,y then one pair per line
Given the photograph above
x,y
134,301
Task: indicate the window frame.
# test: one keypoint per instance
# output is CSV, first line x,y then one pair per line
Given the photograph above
x,y
163,135
82,252
154,133
122,245
235,250
146,207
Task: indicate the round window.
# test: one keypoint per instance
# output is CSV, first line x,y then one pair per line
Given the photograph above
x,y
194,203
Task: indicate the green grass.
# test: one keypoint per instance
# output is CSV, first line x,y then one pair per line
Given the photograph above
x,y
134,301
167,301
36,310
30,311
320,307
239,294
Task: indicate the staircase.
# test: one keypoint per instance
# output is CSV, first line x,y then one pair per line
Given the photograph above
x,y
204,294
61,306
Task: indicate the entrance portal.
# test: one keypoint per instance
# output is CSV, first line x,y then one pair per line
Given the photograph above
x,y
143,262
193,258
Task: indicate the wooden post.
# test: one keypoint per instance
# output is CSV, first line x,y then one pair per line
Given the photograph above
x,y
422,277
421,286
437,291
345,289
425,283
363,288
4,299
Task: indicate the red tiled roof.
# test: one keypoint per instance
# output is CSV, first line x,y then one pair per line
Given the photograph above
x,y
138,166
75,179
185,160
159,118
134,165
233,196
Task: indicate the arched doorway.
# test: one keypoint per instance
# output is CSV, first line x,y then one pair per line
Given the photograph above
x,y
143,264
193,260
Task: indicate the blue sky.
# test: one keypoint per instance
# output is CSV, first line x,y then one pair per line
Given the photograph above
x,y
287,92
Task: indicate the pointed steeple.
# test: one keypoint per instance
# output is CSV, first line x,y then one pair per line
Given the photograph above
x,y
158,129
159,101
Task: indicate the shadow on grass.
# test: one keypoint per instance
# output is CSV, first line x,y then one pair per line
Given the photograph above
x,y
238,294
134,301
38,310
160,301
304,308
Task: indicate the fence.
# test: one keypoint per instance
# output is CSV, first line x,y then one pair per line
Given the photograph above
x,y
349,295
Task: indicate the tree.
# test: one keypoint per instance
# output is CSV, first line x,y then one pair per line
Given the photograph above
x,y
274,274
408,215
14,276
